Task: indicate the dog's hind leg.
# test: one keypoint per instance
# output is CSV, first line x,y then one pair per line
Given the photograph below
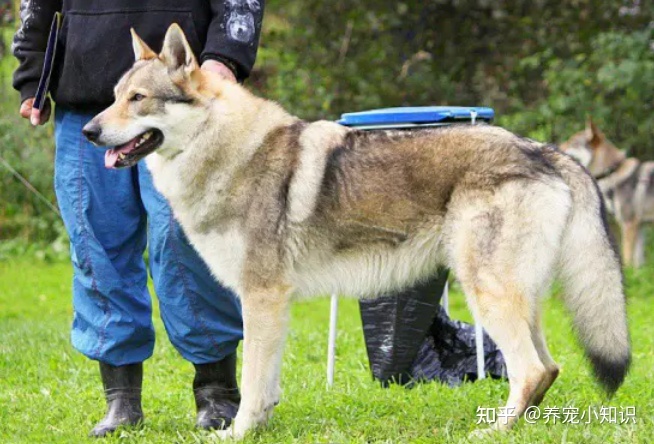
x,y
552,369
506,317
504,248
639,248
265,321
629,240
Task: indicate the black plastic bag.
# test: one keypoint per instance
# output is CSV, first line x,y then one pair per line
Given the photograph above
x,y
410,338
448,353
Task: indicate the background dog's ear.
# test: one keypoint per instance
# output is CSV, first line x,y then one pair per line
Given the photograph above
x,y
176,52
593,133
141,49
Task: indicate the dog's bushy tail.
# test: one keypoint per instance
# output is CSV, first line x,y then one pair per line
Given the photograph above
x,y
591,272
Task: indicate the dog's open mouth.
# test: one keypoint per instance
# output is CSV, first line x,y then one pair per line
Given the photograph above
x,y
136,149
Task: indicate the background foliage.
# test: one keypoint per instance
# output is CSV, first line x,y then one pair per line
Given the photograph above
x,y
544,65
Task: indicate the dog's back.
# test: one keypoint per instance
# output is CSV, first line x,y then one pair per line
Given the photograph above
x,y
381,199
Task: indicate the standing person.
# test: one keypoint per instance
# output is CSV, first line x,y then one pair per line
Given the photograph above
x,y
112,215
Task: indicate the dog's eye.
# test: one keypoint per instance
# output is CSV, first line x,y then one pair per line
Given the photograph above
x,y
137,97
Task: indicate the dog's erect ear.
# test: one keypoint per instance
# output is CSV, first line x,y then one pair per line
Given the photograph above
x,y
176,52
593,133
141,49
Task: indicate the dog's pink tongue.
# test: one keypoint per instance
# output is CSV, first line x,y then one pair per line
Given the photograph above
x,y
111,156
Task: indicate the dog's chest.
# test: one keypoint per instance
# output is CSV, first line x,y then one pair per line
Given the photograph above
x,y
219,241
224,253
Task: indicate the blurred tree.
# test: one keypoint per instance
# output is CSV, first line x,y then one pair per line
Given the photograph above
x,y
324,58
613,83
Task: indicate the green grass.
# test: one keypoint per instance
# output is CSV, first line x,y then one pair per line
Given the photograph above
x,y
51,394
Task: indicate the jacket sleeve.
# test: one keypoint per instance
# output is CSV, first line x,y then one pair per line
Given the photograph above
x,y
233,36
30,43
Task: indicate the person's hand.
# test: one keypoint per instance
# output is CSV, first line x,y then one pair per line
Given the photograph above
x,y
219,68
36,117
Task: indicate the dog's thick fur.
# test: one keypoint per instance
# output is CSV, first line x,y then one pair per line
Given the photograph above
x,y
626,183
279,208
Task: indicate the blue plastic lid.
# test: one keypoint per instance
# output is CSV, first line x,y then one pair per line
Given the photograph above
x,y
414,116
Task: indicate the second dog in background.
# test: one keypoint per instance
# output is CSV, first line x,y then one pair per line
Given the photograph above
x,y
626,183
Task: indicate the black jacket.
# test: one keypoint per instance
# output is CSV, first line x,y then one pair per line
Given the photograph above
x,y
95,46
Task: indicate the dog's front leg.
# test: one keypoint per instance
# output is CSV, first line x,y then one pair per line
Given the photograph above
x,y
265,320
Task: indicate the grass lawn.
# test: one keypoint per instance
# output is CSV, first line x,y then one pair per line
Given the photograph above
x,y
51,394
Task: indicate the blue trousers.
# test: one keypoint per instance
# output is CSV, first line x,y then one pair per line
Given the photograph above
x,y
110,216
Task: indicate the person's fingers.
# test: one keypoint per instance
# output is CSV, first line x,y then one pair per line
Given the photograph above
x,y
35,117
26,108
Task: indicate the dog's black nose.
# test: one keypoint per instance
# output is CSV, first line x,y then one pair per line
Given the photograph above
x,y
92,132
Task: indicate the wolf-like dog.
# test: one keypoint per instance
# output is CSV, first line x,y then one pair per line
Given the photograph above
x,y
626,183
281,208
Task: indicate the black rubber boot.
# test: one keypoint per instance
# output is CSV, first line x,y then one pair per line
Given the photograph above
x,y
216,393
122,389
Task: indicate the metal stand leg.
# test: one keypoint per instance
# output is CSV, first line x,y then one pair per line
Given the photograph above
x,y
331,347
479,334
479,342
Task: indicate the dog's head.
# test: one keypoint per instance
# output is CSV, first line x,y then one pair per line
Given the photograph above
x,y
158,105
582,144
592,149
